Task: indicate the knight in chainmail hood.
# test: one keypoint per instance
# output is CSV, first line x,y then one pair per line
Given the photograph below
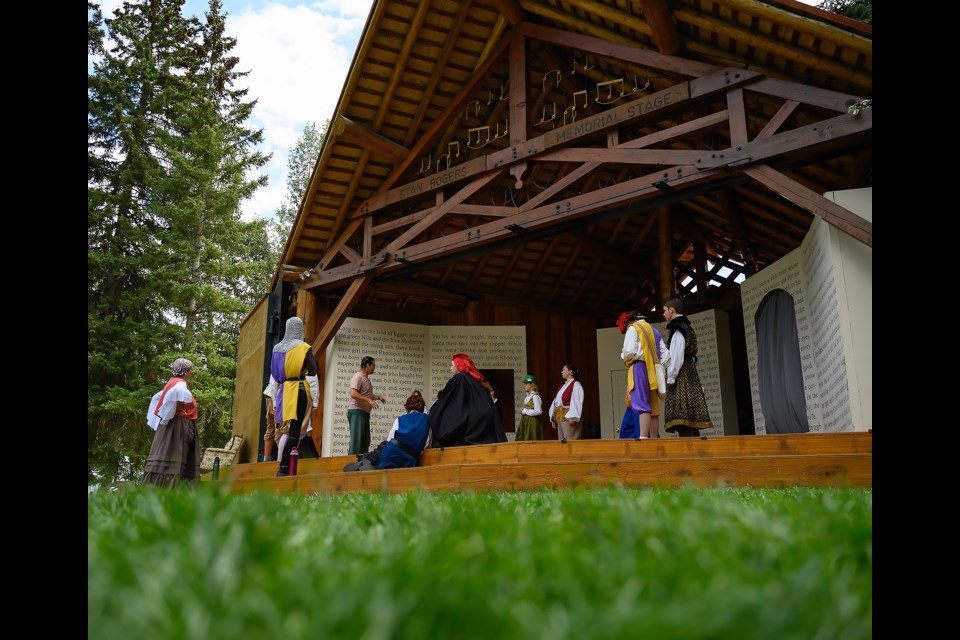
x,y
293,370
292,336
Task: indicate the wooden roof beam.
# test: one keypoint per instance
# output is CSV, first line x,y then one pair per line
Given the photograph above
x,y
754,39
508,272
658,14
344,307
833,213
712,167
773,125
348,130
659,137
803,24
622,261
509,9
727,200
547,257
667,279
606,43
412,288
642,236
518,102
478,271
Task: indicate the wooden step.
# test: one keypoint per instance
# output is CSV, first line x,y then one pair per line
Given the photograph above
x,y
596,450
833,470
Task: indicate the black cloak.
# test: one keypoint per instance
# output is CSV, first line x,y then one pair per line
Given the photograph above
x,y
464,414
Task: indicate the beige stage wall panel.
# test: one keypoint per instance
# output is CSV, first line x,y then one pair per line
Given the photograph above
x,y
830,280
409,356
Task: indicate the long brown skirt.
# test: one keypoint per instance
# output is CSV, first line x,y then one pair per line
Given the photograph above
x,y
174,456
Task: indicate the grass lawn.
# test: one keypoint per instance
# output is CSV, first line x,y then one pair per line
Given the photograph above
x,y
582,564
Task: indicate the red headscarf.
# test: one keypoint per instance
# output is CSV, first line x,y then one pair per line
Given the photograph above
x,y
464,364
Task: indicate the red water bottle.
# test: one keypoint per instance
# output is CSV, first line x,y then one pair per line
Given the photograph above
x,y
294,458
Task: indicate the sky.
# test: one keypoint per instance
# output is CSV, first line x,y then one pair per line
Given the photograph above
x,y
298,55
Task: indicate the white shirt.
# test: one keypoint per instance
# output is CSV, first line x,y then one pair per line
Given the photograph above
x,y
177,393
633,347
537,405
153,420
576,400
677,344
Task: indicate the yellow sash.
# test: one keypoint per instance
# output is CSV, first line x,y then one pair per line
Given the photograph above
x,y
292,366
645,333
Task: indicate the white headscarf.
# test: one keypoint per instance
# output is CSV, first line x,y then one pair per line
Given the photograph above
x,y
180,366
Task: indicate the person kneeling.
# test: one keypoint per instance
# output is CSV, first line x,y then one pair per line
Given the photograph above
x,y
404,444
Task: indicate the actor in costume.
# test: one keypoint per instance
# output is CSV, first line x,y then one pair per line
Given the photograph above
x,y
685,411
464,412
639,338
529,427
567,405
175,453
293,370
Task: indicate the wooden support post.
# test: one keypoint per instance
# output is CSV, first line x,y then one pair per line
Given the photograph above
x,y
667,286
700,257
309,311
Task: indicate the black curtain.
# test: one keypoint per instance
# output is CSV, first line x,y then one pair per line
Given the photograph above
x,y
779,374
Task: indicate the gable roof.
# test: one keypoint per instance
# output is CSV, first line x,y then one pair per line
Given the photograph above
x,y
693,134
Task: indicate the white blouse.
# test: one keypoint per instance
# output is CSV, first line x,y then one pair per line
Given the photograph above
x,y
537,404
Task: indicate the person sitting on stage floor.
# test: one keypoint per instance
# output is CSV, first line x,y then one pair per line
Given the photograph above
x,y
404,444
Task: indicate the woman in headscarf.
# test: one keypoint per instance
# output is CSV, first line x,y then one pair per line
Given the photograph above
x,y
175,454
464,412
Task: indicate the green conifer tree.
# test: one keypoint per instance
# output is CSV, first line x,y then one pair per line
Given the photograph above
x,y
172,267
219,263
131,94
